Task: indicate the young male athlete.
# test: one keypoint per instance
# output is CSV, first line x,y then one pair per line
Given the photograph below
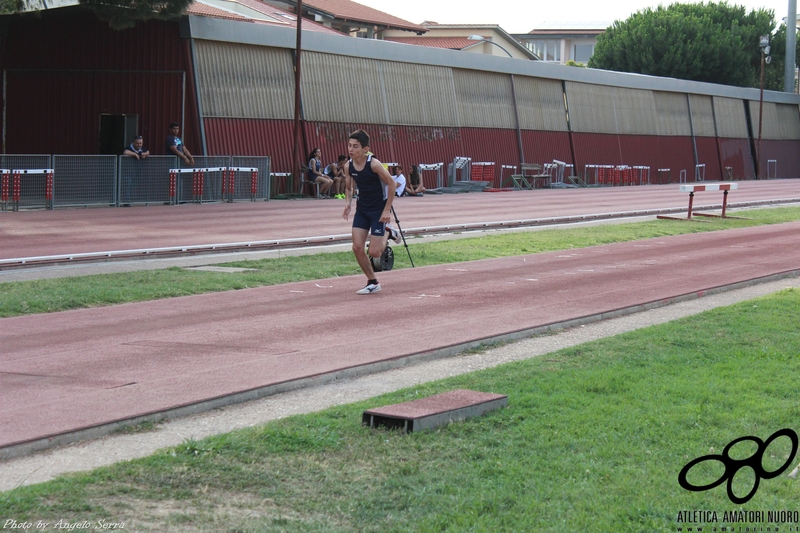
x,y
376,190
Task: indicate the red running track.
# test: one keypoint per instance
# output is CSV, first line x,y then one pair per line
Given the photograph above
x,y
64,372
43,233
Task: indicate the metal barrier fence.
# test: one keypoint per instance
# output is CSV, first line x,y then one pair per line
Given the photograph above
x,y
243,188
84,180
32,193
81,180
144,181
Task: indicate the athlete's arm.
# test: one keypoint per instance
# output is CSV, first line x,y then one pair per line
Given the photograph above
x,y
348,190
386,178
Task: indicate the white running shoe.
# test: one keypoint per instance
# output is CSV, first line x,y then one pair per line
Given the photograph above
x,y
370,288
394,234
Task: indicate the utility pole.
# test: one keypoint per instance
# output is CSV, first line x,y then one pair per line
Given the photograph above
x,y
297,165
791,47
763,43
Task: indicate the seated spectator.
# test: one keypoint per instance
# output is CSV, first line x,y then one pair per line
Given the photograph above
x,y
414,187
335,172
315,174
400,180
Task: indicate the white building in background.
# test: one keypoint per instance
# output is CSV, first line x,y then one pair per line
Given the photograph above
x,y
494,40
559,42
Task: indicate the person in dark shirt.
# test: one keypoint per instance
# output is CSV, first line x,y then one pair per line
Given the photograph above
x,y
130,186
136,148
174,145
376,190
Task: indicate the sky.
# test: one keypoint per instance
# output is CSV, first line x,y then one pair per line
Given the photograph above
x,y
521,16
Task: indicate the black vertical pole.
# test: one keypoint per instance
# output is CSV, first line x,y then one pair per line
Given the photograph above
x,y
296,161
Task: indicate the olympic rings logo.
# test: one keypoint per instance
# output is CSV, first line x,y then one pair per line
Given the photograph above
x,y
732,466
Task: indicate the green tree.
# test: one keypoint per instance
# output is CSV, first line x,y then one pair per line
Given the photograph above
x,y
774,72
709,42
119,14
122,14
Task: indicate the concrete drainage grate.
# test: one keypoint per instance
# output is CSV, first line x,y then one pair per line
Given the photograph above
x,y
434,411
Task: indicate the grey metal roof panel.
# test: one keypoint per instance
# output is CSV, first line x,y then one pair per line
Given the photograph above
x,y
239,32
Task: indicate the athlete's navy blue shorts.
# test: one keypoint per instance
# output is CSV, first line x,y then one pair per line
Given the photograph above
x,y
370,220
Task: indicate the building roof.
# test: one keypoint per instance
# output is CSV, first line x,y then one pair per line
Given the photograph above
x,y
348,10
594,27
450,43
480,29
252,11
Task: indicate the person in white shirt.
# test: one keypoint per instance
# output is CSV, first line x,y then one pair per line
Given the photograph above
x,y
399,179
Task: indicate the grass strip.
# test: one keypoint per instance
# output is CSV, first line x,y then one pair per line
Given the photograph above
x,y
62,294
593,440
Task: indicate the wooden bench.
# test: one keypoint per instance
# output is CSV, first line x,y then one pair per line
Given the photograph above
x,y
692,188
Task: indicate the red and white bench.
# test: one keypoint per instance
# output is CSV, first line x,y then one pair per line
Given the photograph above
x,y
692,188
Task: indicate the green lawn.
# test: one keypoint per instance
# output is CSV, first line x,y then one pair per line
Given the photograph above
x,y
593,440
44,296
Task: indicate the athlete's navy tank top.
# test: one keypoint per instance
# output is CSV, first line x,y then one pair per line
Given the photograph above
x,y
371,192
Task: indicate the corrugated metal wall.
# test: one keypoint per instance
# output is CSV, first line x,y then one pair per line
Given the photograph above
x,y
78,103
734,153
597,149
787,116
64,68
484,99
243,81
540,104
252,137
730,117
635,110
591,108
420,95
542,147
416,113
673,114
702,116
342,88
787,157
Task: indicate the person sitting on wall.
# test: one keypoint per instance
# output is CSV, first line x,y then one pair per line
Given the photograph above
x,y
175,145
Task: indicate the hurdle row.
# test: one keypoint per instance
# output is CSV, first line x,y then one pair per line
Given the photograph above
x,y
11,187
198,182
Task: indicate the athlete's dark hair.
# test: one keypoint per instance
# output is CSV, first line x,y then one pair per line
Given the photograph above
x,y
361,136
174,125
311,155
341,158
414,176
